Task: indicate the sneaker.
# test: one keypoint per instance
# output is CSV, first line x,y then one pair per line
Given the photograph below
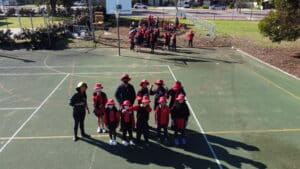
x,y
111,142
75,138
125,143
131,142
176,142
99,130
103,130
183,141
114,142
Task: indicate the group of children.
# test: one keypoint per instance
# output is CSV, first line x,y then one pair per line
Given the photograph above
x,y
134,117
148,34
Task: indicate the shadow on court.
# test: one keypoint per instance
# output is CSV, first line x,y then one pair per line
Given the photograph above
x,y
187,155
15,58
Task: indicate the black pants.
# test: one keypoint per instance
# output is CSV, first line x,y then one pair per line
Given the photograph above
x,y
152,47
112,131
165,130
132,45
79,121
177,130
191,43
127,128
142,129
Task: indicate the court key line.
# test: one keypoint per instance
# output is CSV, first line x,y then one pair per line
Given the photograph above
x,y
220,132
199,125
82,66
82,73
18,108
276,85
33,113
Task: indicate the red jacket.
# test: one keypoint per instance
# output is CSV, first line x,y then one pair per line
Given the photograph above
x,y
111,116
99,102
190,36
162,115
127,118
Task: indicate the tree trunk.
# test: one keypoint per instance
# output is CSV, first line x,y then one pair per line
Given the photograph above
x,y
53,7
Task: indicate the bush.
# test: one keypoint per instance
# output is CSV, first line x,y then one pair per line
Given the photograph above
x,y
10,12
44,38
205,6
280,26
26,12
5,38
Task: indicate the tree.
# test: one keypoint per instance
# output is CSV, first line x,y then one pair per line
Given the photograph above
x,y
283,24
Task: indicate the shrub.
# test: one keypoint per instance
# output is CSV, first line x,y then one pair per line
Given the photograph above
x,y
26,12
44,38
205,6
10,12
5,38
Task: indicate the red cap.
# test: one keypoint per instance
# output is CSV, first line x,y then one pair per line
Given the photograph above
x,y
146,99
125,76
176,85
162,99
98,86
110,102
126,103
144,82
180,97
159,82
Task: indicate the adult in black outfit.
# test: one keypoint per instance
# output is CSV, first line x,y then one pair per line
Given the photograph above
x,y
125,91
79,104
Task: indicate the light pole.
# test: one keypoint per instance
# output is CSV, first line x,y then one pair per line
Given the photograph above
x,y
118,10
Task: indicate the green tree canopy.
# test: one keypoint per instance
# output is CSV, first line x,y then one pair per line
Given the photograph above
x,y
282,24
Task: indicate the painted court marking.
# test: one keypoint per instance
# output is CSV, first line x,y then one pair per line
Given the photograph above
x,y
276,85
200,127
82,66
82,73
18,108
221,132
33,113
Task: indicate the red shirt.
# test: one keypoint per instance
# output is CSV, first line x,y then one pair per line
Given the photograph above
x,y
191,36
162,115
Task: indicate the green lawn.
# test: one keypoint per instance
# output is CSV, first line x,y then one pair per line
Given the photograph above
x,y
245,30
13,22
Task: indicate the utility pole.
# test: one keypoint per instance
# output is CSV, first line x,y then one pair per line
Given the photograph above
x,y
92,20
118,11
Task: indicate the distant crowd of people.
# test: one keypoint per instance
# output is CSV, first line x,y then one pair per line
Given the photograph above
x,y
147,34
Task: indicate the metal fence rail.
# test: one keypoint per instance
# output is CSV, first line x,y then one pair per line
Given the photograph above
x,y
203,24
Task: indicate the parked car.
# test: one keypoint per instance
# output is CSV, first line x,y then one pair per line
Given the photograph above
x,y
139,6
217,7
186,5
79,3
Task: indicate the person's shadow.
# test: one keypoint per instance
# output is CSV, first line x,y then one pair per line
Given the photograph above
x,y
187,156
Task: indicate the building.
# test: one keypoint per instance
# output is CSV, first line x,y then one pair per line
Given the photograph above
x,y
8,2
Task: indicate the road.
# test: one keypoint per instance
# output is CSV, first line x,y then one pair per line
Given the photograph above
x,y
233,14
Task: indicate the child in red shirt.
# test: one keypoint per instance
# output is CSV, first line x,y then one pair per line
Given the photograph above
x,y
111,119
127,122
142,127
162,114
100,99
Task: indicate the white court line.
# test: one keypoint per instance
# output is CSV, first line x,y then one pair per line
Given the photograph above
x,y
81,66
198,123
33,113
83,73
265,63
18,108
